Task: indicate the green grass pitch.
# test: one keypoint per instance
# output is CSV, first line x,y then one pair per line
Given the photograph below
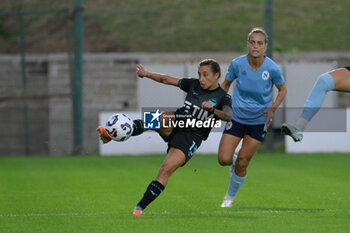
x,y
283,193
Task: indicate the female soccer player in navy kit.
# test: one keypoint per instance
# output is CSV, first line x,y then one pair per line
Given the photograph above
x,y
205,100
336,80
252,107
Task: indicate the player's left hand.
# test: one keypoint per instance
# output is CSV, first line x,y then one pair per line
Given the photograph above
x,y
207,106
141,71
269,113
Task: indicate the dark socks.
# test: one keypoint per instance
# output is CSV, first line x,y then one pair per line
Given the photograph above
x,y
138,127
153,190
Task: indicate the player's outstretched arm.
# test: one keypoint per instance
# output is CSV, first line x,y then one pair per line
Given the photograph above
x,y
161,78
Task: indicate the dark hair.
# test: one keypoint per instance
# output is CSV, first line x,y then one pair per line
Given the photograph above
x,y
214,65
259,30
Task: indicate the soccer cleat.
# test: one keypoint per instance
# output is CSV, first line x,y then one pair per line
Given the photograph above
x,y
137,211
231,169
292,130
227,202
103,135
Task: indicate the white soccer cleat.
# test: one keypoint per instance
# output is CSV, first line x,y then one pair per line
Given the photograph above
x,y
293,131
227,202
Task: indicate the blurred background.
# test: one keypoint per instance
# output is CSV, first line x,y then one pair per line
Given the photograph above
x,y
64,63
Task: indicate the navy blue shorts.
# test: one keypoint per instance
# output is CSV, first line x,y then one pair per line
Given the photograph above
x,y
239,130
347,67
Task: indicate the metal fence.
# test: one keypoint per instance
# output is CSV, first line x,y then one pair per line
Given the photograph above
x,y
21,23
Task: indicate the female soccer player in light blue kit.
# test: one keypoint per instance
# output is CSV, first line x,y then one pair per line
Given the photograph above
x,y
336,80
252,108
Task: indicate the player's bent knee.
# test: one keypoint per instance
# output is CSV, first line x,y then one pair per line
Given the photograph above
x,y
225,158
325,82
225,161
222,163
242,164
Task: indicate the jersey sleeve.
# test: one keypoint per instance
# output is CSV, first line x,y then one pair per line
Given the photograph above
x,y
277,77
186,83
232,71
226,101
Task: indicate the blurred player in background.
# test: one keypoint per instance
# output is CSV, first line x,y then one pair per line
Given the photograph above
x,y
204,97
336,80
252,108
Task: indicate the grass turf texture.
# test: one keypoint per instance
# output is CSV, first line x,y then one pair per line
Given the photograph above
x,y
283,193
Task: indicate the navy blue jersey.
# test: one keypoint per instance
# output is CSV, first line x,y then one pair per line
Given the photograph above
x,y
196,95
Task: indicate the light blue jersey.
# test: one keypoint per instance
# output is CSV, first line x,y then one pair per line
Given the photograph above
x,y
253,91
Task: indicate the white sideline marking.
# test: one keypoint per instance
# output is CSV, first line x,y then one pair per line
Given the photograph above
x,y
175,213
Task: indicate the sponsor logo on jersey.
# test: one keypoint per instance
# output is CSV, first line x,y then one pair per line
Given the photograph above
x,y
197,112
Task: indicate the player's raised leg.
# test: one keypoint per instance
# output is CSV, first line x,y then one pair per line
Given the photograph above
x,y
138,127
312,105
293,130
166,119
341,79
105,137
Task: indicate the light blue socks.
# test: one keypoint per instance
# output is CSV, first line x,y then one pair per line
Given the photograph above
x,y
315,100
235,184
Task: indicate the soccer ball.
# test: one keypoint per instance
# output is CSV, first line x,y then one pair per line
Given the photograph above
x,y
119,127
